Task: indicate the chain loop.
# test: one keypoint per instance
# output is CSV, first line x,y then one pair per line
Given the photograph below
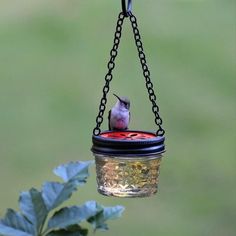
x,y
146,73
109,76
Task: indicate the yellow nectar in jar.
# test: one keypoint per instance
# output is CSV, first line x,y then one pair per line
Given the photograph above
x,y
128,163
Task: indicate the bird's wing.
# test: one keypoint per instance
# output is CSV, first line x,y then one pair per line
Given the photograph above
x,y
109,117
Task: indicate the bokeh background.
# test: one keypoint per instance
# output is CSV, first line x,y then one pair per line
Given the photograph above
x,y
53,57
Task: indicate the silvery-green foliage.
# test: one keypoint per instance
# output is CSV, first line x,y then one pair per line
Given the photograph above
x,y
35,207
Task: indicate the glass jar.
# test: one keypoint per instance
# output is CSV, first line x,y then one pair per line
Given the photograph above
x,y
128,163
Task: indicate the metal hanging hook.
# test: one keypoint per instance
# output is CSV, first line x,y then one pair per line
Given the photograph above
x,y
126,10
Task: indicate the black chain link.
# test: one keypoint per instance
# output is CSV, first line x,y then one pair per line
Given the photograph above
x,y
109,76
146,74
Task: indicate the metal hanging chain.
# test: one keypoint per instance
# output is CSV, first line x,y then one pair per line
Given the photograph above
x,y
109,76
111,66
146,74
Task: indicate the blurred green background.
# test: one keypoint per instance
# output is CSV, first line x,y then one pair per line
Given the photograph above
x,y
53,57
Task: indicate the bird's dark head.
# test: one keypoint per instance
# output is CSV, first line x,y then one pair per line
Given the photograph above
x,y
124,101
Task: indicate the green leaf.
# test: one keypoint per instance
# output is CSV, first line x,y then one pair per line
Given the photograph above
x,y
77,171
108,213
74,174
64,232
56,193
15,224
33,207
111,213
73,215
74,230
9,231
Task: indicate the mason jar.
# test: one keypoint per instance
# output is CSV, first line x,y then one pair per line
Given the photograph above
x,y
128,162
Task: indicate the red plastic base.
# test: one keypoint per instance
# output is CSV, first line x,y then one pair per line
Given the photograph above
x,y
128,135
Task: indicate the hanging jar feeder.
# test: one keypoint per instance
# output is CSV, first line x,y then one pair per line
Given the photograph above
x,y
128,161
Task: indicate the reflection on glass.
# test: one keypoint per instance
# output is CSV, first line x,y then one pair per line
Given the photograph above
x,y
127,177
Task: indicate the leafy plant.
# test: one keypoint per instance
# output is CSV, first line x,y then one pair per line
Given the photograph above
x,y
36,206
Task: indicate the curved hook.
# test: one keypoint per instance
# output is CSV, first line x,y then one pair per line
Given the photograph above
x,y
126,11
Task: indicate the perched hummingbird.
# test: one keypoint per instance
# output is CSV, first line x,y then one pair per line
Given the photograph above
x,y
119,115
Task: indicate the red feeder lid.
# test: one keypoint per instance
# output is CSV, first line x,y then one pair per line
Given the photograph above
x,y
128,143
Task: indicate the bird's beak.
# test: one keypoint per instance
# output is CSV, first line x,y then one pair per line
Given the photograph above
x,y
117,97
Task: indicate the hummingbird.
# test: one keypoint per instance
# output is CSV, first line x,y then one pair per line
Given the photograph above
x,y
119,115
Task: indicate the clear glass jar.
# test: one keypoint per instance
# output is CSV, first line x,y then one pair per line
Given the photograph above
x,y
127,176
128,162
